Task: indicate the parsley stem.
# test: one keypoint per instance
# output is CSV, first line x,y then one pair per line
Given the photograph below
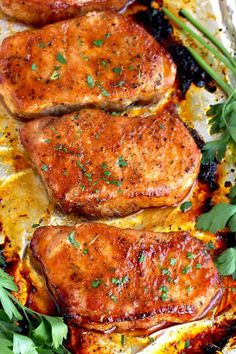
x,y
199,39
209,35
225,87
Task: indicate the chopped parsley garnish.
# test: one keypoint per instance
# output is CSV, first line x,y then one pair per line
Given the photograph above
x,y
164,297
72,240
121,281
44,168
131,67
190,255
82,187
185,206
115,182
55,75
79,164
186,269
165,271
35,225
164,289
122,162
122,340
105,93
173,261
61,58
90,81
104,63
41,44
114,298
187,344
47,141
141,257
117,70
210,245
96,283
104,165
34,67
119,84
107,35
198,266
98,42
107,173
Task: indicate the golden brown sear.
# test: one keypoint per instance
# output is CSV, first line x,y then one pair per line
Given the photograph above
x,y
104,277
99,60
104,165
42,12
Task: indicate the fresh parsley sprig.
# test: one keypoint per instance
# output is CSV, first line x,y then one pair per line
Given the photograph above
x,y
220,216
24,331
222,117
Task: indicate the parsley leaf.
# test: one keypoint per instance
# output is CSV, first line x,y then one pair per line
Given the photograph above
x,y
90,81
72,239
220,216
226,262
39,333
61,58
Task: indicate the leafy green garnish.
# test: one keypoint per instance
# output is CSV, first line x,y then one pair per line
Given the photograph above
x,y
90,81
38,333
185,206
226,262
220,216
222,116
98,42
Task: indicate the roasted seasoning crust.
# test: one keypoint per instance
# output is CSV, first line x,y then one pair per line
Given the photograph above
x,y
42,12
99,164
100,60
104,277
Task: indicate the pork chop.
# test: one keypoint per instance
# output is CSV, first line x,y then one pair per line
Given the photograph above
x,y
99,60
104,165
104,277
41,12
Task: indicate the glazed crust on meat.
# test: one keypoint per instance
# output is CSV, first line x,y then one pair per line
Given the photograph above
x,y
42,12
104,277
103,165
100,60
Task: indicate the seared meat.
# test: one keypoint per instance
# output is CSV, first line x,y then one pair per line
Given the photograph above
x,y
100,164
104,277
101,59
41,12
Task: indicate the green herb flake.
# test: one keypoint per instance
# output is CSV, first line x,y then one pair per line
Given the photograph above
x,y
185,206
164,297
41,45
190,255
105,93
90,81
198,266
122,162
55,75
114,298
186,269
82,187
96,283
98,42
47,141
61,58
165,271
107,173
85,251
141,257
131,67
172,261
187,344
164,289
118,71
122,340
34,67
189,289
81,166
35,225
151,340
121,281
115,183
44,168
210,245
72,240
104,63
107,35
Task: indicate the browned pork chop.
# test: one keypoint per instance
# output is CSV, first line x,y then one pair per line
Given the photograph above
x,y
103,276
100,60
41,12
99,164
